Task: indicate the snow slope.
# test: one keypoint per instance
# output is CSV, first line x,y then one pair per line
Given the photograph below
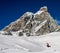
x,y
16,44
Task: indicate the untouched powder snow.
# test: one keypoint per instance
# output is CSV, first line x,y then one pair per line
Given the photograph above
x,y
35,44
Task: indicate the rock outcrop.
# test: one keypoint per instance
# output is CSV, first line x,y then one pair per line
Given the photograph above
x,y
34,24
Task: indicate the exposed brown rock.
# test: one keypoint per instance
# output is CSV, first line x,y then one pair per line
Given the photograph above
x,y
30,21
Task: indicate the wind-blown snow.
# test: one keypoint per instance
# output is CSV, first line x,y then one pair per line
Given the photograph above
x,y
13,44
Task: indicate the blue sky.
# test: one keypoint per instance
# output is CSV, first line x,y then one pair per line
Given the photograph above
x,y
10,10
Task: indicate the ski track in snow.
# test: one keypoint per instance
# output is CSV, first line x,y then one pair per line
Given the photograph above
x,y
15,44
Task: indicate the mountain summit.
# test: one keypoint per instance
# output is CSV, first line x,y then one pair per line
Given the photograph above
x,y
38,23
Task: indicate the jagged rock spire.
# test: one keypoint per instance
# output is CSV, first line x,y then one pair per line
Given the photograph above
x,y
38,23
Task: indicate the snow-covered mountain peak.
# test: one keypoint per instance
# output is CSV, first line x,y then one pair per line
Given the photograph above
x,y
38,23
42,9
29,13
13,38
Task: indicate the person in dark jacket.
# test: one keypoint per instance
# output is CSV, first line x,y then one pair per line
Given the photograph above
x,y
48,45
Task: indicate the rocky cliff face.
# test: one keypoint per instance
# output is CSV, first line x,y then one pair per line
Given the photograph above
x,y
34,24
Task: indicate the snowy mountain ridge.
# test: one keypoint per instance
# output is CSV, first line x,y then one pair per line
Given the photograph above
x,y
43,32
38,23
